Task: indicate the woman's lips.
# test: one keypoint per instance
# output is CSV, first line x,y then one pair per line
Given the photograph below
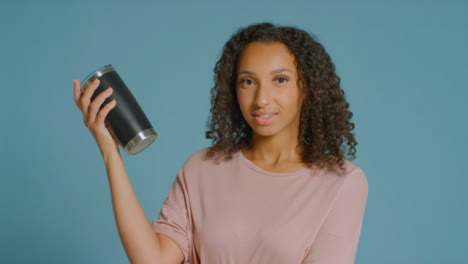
x,y
265,121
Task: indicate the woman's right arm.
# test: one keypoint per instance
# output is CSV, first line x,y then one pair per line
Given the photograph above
x,y
140,242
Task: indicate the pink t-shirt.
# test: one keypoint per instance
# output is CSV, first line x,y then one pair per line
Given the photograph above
x,y
236,212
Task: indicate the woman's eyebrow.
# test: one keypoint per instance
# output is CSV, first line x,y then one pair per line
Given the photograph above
x,y
273,71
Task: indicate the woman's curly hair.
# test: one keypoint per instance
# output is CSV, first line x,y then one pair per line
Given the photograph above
x,y
324,117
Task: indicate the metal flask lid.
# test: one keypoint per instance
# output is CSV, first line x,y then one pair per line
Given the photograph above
x,y
98,73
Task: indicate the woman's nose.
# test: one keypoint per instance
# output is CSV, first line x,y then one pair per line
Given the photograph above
x,y
262,96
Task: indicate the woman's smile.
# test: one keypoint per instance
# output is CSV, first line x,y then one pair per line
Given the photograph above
x,y
265,119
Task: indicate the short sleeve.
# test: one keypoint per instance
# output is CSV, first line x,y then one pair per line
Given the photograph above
x,y
174,218
338,237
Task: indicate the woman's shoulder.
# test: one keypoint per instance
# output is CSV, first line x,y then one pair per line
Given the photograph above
x,y
198,155
352,174
197,158
355,174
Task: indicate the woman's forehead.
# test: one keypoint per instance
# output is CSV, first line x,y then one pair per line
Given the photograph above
x,y
271,57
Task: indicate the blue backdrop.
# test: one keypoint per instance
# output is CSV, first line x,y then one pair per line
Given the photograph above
x,y
402,64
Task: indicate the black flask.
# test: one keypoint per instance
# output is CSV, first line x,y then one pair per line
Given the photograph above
x,y
126,122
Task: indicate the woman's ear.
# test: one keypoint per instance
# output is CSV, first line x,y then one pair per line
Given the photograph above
x,y
300,85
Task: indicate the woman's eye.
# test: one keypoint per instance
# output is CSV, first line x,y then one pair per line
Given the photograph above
x,y
246,81
282,79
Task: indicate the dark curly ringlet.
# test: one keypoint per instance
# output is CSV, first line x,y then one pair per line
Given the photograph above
x,y
324,117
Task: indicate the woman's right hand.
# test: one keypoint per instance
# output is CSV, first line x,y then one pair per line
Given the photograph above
x,y
93,117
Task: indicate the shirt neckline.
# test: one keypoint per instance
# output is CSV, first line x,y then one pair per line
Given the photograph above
x,y
258,169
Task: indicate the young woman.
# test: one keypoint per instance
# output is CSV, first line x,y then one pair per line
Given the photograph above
x,y
275,186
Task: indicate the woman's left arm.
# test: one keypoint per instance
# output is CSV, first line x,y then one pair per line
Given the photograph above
x,y
338,237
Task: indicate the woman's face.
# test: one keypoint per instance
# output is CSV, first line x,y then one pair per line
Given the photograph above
x,y
267,85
